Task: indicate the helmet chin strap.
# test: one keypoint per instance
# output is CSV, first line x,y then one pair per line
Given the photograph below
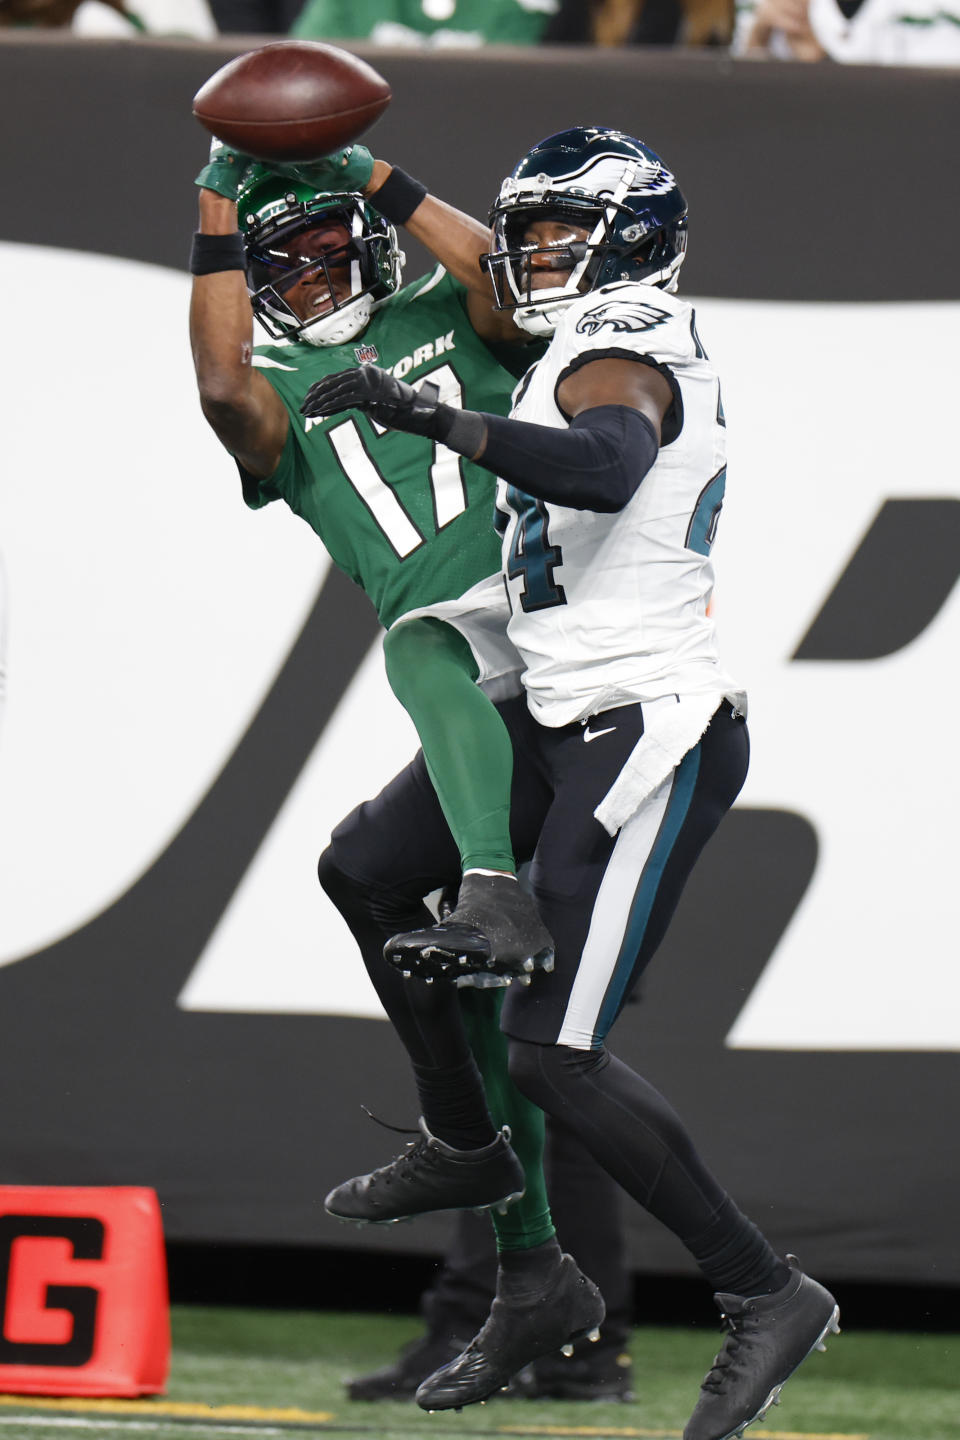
x,y
340,325
539,323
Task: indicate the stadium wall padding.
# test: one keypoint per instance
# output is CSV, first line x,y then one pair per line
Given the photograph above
x,y
824,209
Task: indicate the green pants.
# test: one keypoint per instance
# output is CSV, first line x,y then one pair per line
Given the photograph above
x,y
469,758
528,1221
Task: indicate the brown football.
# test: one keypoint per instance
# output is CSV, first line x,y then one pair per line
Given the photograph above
x,y
292,100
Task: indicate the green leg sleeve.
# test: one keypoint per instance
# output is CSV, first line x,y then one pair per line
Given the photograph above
x,y
431,670
527,1222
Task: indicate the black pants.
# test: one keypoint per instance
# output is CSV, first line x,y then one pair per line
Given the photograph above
x,y
607,901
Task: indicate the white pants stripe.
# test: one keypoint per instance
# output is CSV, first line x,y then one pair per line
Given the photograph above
x,y
610,918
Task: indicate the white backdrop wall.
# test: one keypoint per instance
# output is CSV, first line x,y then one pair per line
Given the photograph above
x,y
148,613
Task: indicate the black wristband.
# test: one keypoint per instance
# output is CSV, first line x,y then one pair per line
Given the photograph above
x,y
398,197
211,253
460,430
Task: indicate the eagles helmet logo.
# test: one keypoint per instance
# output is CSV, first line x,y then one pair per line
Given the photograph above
x,y
631,316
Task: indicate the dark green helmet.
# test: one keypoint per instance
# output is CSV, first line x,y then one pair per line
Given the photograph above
x,y
348,273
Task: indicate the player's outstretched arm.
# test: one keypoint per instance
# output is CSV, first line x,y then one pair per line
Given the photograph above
x,y
243,409
454,238
616,407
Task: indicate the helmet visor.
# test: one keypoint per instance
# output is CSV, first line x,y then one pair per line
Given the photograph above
x,y
542,248
315,261
311,267
284,267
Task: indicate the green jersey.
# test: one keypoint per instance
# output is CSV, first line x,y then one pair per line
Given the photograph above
x,y
399,22
407,519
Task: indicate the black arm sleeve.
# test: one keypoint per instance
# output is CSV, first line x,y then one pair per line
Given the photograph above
x,y
595,465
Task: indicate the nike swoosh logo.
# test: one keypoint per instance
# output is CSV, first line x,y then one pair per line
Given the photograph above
x,y
589,735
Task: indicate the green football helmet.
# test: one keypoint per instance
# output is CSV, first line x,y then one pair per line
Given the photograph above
x,y
278,218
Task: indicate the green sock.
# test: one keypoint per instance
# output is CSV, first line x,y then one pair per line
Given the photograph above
x,y
469,757
528,1221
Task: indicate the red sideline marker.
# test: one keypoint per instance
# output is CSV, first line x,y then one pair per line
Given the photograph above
x,y
84,1303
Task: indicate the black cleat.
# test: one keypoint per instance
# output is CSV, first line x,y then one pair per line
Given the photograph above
x,y
414,1363
494,929
431,1176
516,1333
593,1372
769,1337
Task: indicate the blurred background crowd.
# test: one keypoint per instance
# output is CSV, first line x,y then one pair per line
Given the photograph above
x,y
896,32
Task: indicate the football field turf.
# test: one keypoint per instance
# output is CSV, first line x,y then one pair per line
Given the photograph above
x,y
254,1373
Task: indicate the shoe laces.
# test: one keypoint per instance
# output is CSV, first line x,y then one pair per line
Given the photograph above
x,y
385,1125
725,1363
419,1152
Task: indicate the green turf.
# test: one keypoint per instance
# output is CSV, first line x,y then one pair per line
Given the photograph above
x,y
887,1387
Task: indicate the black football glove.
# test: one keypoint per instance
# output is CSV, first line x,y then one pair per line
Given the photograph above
x,y
389,401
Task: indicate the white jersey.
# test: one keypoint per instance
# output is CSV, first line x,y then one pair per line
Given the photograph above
x,y
610,609
889,32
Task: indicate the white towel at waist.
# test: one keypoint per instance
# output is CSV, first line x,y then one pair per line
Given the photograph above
x,y
672,725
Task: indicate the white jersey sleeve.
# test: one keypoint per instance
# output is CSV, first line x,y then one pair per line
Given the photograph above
x,y
610,609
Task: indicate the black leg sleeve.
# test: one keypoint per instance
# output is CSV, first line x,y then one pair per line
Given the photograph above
x,y
640,1140
426,1017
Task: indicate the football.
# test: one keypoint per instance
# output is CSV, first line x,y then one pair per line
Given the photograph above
x,y
292,100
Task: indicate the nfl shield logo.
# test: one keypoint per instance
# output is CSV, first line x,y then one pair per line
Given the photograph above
x,y
366,354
